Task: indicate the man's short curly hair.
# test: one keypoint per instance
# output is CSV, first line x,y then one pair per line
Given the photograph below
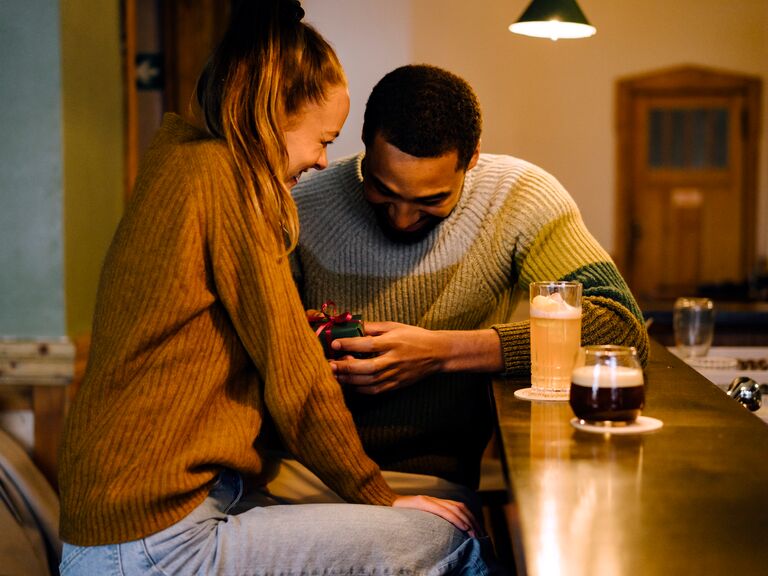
x,y
424,111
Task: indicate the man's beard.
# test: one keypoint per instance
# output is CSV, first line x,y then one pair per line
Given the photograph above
x,y
400,236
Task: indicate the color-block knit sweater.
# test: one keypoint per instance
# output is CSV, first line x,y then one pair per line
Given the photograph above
x,y
198,330
514,224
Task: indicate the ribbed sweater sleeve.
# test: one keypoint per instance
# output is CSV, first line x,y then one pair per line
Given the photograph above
x,y
554,244
198,329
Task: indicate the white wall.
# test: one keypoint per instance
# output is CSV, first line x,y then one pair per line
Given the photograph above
x,y
549,102
370,38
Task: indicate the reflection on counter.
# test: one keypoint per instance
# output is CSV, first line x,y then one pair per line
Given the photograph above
x,y
606,466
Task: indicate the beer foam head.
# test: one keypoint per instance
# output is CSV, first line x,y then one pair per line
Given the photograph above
x,y
553,306
601,376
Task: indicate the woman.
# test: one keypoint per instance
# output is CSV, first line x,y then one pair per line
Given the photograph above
x,y
199,331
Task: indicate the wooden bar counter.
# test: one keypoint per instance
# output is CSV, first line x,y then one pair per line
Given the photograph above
x,y
689,498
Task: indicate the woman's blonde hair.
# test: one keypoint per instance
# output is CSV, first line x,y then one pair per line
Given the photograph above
x,y
268,65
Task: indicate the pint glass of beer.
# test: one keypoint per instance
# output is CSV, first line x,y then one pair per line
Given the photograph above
x,y
608,388
555,318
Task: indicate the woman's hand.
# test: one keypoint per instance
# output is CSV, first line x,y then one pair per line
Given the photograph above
x,y
455,512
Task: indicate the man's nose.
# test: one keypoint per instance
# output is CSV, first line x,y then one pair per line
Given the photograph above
x,y
402,215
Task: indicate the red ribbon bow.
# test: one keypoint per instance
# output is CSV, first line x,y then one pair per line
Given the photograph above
x,y
329,318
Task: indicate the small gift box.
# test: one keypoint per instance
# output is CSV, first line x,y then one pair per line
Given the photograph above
x,y
328,325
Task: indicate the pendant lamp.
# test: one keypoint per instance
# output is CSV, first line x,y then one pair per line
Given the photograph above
x,y
553,19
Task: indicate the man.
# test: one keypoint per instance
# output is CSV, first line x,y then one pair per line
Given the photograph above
x,y
435,245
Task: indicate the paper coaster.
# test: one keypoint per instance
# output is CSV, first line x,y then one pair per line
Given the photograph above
x,y
716,362
642,424
531,394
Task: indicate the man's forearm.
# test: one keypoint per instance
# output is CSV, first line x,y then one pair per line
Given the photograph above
x,y
471,351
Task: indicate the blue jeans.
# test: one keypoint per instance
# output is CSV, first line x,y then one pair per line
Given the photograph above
x,y
322,539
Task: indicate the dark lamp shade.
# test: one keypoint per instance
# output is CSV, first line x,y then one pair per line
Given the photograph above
x,y
553,19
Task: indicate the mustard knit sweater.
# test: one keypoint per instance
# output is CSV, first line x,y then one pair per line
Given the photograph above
x,y
198,330
514,224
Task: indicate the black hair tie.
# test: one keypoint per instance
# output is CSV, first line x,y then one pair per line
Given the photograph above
x,y
295,11
288,11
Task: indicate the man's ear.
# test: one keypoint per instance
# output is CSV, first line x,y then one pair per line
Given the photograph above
x,y
475,158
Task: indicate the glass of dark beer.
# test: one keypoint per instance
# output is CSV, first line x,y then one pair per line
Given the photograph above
x,y
607,386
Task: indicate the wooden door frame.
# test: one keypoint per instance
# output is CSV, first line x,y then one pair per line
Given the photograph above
x,y
131,108
676,81
190,30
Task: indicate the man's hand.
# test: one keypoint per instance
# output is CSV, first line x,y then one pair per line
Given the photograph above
x,y
401,355
455,512
404,354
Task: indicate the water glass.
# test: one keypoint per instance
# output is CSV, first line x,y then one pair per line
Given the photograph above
x,y
694,326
